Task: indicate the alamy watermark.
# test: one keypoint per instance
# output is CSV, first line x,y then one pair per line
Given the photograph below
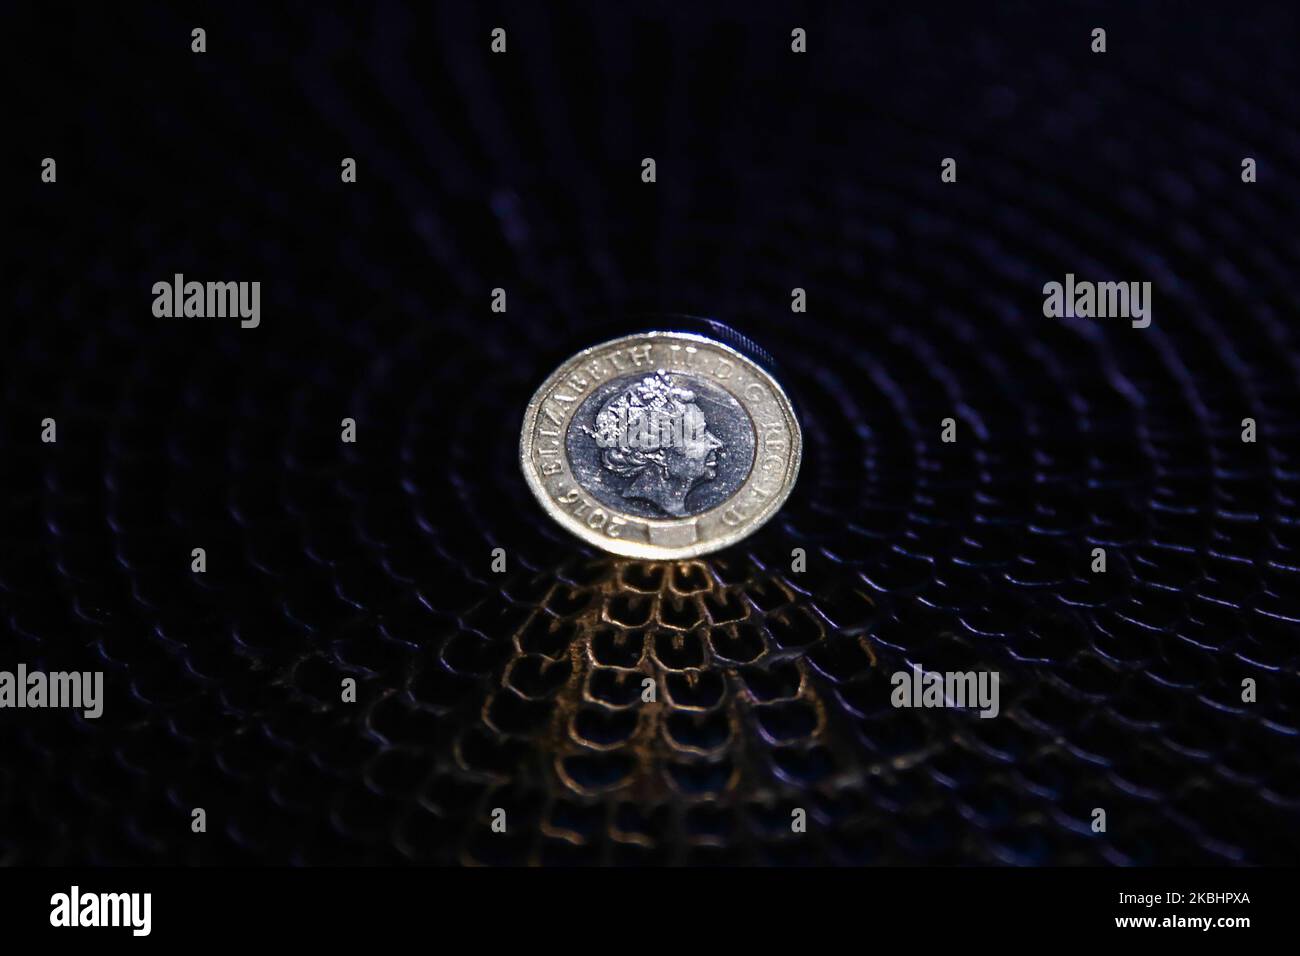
x,y
75,908
208,300
1098,300
964,690
653,414
58,689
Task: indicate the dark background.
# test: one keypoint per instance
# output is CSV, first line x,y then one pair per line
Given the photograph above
x,y
775,170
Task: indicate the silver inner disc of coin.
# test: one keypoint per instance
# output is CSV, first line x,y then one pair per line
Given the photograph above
x,y
661,445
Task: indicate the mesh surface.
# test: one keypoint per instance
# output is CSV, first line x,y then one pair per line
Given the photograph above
x,y
521,691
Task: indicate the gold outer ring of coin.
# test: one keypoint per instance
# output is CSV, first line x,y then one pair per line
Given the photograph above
x,y
778,447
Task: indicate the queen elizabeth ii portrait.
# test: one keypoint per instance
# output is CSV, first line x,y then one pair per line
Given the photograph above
x,y
653,434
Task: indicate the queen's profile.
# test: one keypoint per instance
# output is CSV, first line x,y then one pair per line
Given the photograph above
x,y
654,434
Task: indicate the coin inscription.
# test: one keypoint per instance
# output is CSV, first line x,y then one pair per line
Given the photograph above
x,y
660,445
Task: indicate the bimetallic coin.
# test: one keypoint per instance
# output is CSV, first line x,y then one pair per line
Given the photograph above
x,y
660,445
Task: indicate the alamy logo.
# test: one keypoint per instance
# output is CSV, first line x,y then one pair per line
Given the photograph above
x,y
957,689
209,300
57,689
1098,300
75,908
650,415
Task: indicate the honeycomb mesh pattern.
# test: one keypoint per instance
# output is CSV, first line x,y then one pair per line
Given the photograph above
x,y
524,690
